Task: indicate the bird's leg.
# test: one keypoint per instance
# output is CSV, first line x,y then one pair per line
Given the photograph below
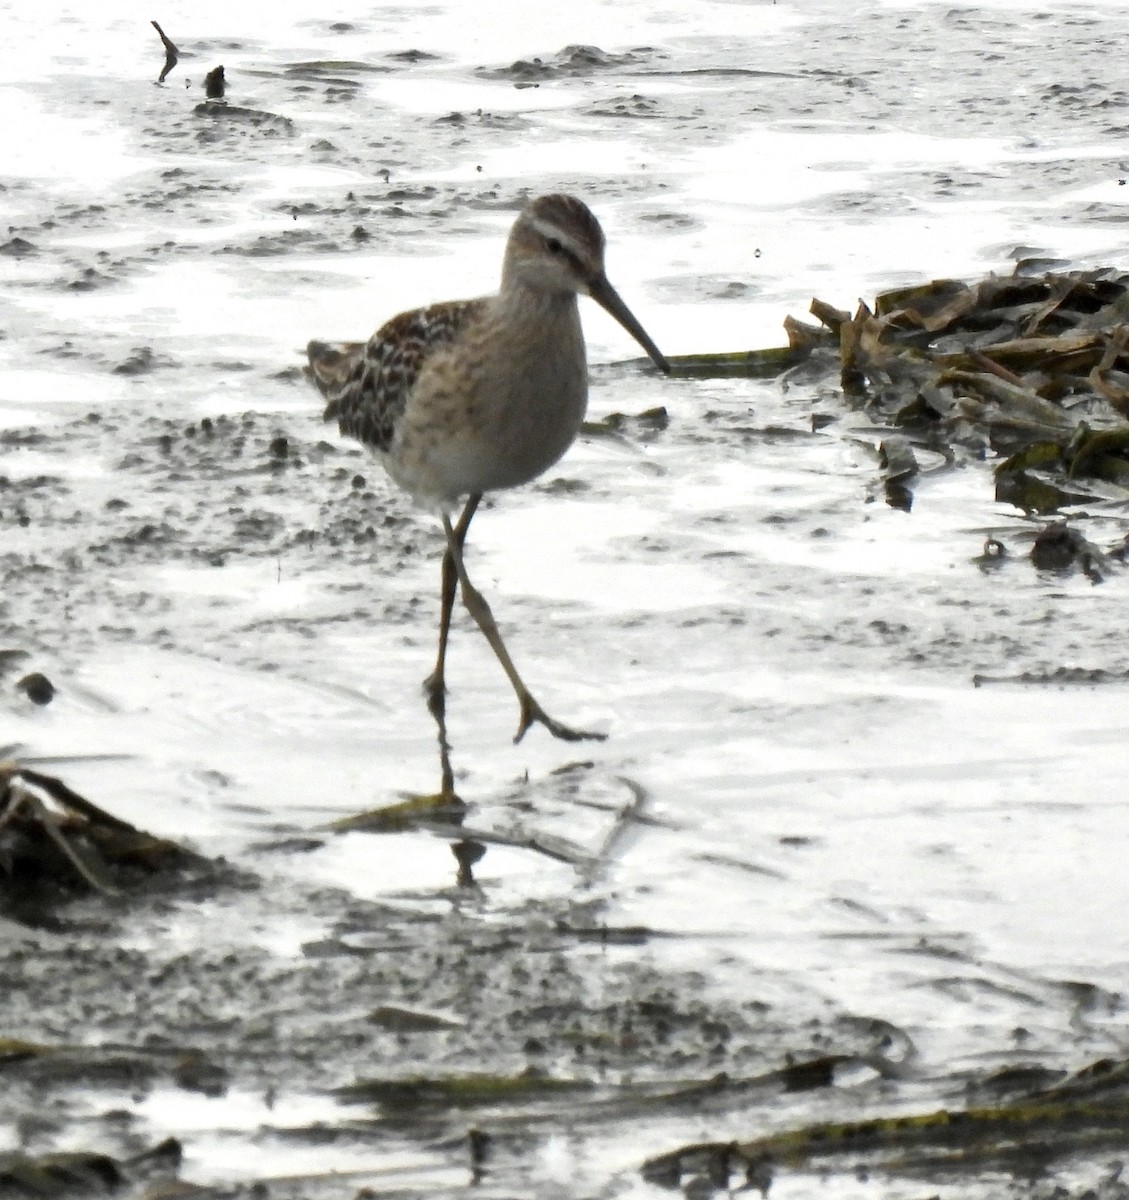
x,y
435,686
476,605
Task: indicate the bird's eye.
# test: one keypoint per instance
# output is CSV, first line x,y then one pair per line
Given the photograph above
x,y
553,246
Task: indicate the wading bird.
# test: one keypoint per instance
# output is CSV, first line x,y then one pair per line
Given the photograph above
x,y
466,396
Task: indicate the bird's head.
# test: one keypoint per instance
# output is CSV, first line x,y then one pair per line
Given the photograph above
x,y
557,246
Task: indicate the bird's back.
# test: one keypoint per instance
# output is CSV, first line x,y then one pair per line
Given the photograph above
x,y
367,384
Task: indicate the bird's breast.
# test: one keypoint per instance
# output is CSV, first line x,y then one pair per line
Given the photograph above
x,y
496,410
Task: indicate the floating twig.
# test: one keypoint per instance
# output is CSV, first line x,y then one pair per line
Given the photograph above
x,y
172,55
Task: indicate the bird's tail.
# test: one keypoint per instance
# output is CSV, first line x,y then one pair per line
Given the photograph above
x,y
332,365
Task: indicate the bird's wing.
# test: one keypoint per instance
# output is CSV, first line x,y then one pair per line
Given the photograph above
x,y
367,384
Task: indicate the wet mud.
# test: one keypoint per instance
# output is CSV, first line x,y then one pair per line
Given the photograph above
x,y
838,900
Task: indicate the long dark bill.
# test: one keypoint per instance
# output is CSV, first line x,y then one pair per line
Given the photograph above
x,y
608,298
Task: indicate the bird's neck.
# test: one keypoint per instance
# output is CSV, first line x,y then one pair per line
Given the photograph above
x,y
535,306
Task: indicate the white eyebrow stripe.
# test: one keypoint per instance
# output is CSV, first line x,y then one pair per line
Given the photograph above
x,y
548,230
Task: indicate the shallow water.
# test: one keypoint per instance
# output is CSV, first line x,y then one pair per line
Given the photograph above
x,y
837,825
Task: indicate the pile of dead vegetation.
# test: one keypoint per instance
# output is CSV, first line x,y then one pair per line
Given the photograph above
x,y
1032,368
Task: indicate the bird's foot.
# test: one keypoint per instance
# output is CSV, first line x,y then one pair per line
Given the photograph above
x,y
533,713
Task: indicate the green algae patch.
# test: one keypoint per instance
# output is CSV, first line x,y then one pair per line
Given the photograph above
x,y
462,1091
1086,1113
410,813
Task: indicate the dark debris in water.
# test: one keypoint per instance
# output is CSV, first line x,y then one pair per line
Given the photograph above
x,y
237,115
1032,367
643,426
88,1173
1059,677
141,361
55,844
635,106
37,687
18,247
1058,548
215,84
568,63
